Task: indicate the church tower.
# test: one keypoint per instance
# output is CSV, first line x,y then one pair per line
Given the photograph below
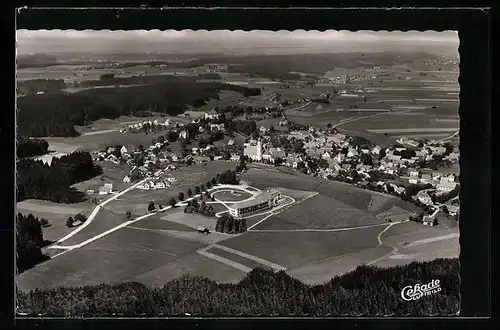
x,y
259,150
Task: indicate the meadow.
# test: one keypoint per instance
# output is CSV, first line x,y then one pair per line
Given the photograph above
x,y
294,249
319,212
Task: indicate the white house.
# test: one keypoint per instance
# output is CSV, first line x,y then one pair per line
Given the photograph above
x,y
183,134
326,155
445,186
90,191
126,179
230,142
352,153
160,185
145,186
108,187
211,115
235,157
103,191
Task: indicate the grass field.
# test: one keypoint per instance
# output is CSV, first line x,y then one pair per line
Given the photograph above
x,y
239,259
319,212
192,264
118,257
100,141
412,231
229,196
192,220
55,213
321,271
293,249
352,196
103,221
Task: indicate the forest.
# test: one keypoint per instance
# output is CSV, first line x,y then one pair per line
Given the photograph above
x,y
56,114
36,180
368,290
28,147
29,241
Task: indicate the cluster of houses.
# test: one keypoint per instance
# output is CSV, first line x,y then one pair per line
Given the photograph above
x,y
147,123
341,157
158,183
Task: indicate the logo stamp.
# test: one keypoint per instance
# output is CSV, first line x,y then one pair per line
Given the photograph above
x,y
418,291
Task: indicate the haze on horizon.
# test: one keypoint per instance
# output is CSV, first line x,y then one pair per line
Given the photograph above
x,y
234,42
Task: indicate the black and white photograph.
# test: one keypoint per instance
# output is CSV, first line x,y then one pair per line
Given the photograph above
x,y
224,173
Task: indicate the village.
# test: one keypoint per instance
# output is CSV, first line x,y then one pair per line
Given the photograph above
x,y
409,169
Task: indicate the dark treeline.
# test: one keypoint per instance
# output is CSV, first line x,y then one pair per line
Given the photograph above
x,y
29,241
368,291
36,180
56,115
31,147
30,87
230,225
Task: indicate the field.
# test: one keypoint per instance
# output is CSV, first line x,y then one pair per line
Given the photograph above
x,y
120,256
101,141
347,194
294,249
231,195
55,213
104,220
319,212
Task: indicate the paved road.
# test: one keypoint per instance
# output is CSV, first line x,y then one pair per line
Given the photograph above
x,y
96,210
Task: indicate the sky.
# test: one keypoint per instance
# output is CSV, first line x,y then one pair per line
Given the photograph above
x,y
232,42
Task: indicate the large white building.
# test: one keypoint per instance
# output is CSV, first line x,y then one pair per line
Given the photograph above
x,y
254,151
263,201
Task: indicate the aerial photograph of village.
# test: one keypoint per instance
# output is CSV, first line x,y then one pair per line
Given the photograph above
x,y
232,173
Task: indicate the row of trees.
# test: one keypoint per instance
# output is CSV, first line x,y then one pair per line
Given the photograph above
x,y
29,241
366,291
230,225
27,147
202,208
36,180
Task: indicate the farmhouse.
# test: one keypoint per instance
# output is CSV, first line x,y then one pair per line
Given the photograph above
x,y
126,179
429,221
265,200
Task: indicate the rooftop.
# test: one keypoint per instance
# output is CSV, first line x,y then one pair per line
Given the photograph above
x,y
263,197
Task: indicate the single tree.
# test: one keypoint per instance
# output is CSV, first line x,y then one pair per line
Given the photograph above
x,y
181,196
80,217
128,215
197,190
151,206
189,193
69,222
172,202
